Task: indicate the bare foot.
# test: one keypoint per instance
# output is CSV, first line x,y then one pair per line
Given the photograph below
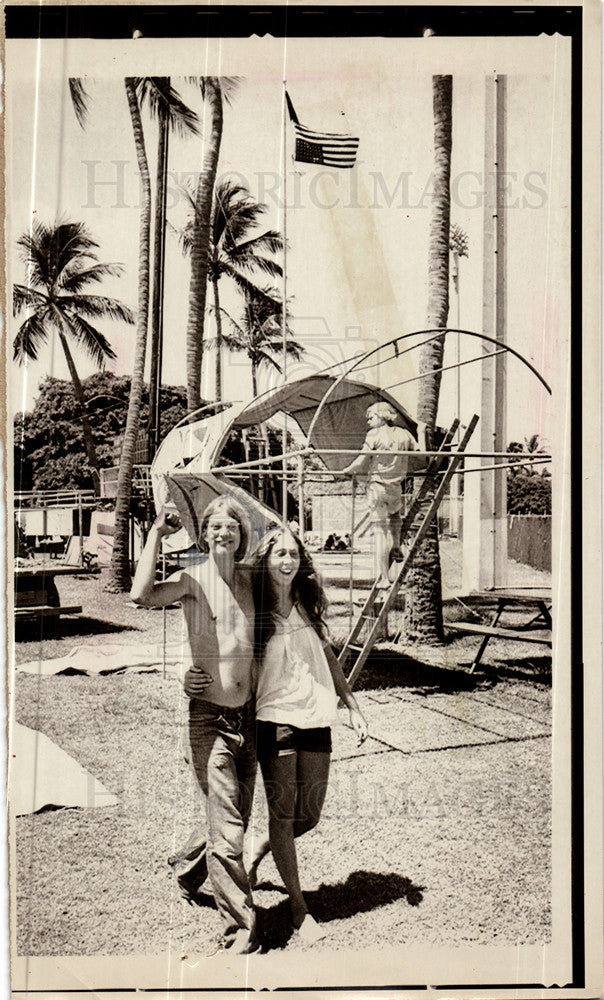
x,y
310,931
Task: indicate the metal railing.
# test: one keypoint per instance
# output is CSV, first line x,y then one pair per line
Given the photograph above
x,y
55,498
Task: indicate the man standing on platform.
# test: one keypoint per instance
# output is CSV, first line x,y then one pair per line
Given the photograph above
x,y
386,472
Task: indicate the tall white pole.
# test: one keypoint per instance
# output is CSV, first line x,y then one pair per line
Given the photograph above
x,y
455,491
284,295
485,516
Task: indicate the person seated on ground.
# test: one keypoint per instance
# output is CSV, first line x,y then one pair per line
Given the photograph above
x,y
330,542
386,472
218,609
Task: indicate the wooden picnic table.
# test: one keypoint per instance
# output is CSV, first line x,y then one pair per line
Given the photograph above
x,y
537,629
36,594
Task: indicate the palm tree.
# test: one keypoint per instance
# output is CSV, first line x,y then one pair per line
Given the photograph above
x,y
233,252
459,247
172,115
259,334
119,569
61,263
423,604
213,89
531,446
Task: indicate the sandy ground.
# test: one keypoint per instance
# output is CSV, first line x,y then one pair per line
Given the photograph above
x,y
438,828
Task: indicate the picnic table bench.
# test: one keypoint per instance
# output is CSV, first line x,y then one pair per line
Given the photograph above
x,y
537,629
36,594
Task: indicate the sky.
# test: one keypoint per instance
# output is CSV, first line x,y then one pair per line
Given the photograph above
x,y
357,262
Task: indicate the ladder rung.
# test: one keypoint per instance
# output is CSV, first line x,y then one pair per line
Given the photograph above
x,y
424,508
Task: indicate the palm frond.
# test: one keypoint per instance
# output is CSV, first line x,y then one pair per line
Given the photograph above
x,y
80,99
249,289
228,190
32,246
272,333
211,343
228,84
229,198
30,335
92,341
262,357
184,236
250,262
231,341
270,240
100,306
187,188
458,241
157,91
242,217
48,250
24,297
74,281
235,325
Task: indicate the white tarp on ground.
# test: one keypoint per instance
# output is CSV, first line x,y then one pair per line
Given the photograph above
x,y
109,659
41,774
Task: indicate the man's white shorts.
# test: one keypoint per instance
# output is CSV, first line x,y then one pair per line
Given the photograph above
x,y
383,501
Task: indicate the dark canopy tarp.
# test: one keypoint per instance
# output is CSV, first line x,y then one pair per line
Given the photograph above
x,y
341,422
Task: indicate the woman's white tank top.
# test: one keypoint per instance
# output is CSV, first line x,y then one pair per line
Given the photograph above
x,y
295,685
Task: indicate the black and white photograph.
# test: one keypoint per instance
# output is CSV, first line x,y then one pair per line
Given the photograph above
x,y
303,466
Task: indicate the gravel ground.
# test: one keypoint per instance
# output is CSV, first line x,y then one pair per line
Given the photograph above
x,y
439,828
426,840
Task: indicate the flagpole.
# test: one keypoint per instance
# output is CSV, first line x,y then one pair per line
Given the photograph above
x,y
284,299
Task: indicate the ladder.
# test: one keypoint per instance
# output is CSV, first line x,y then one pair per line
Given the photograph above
x,y
419,531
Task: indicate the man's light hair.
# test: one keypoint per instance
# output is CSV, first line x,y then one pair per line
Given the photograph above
x,y
224,504
384,410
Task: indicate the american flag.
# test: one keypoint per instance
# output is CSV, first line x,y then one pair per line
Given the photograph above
x,y
331,149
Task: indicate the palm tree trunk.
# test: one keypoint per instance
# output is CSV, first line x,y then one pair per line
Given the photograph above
x,y
423,604
119,569
201,244
159,242
218,341
86,428
254,380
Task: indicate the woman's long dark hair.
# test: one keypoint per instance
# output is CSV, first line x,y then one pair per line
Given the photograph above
x,y
306,591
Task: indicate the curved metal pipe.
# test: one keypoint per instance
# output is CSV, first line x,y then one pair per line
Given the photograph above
x,y
419,333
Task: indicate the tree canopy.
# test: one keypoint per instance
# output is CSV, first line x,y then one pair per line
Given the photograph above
x,y
529,493
49,445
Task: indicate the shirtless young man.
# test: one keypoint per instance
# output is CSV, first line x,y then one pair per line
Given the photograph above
x,y
218,609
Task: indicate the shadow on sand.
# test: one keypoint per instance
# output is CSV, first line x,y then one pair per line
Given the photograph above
x,y
64,628
388,668
360,893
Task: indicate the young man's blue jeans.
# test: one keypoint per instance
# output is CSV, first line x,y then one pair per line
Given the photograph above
x,y
223,755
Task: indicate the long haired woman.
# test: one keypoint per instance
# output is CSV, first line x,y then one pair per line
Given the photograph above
x,y
299,681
